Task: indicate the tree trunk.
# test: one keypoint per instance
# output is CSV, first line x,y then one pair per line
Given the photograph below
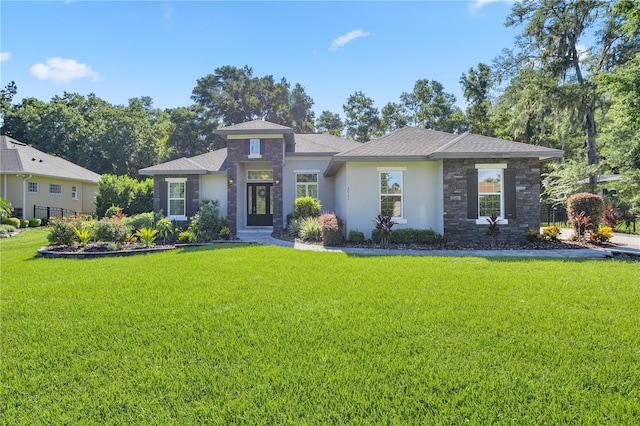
x,y
592,151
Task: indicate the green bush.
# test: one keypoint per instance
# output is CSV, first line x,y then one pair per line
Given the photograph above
x,y
293,227
165,229
6,229
112,211
306,207
134,197
24,223
147,235
139,221
592,205
6,210
112,230
62,231
310,229
533,235
356,237
225,233
186,237
208,222
35,222
13,221
410,236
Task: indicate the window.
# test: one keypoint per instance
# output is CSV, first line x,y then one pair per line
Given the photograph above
x,y
259,174
177,199
254,148
490,192
391,193
55,189
33,187
307,185
74,192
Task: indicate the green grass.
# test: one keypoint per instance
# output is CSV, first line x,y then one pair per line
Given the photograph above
x,y
265,335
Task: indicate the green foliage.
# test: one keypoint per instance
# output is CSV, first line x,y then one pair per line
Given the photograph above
x,y
362,121
84,235
62,231
139,221
565,179
533,235
130,195
293,227
356,237
24,223
34,222
147,235
551,232
225,233
310,229
329,122
6,229
13,221
591,204
186,237
5,208
112,230
208,222
410,236
304,207
477,86
601,235
113,211
165,229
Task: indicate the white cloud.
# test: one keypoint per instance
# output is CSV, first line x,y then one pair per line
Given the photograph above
x,y
476,5
582,52
5,56
63,70
347,38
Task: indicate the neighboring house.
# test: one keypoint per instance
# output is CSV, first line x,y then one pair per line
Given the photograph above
x,y
40,185
427,179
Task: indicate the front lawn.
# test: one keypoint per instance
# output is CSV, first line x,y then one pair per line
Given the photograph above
x,y
265,335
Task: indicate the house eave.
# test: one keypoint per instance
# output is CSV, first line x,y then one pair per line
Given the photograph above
x,y
468,155
173,172
50,176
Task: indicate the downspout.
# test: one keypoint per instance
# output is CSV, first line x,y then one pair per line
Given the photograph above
x,y
24,194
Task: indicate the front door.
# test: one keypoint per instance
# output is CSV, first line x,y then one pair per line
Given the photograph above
x,y
259,204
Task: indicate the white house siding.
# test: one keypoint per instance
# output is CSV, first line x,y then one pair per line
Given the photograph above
x,y
307,164
214,187
422,195
340,206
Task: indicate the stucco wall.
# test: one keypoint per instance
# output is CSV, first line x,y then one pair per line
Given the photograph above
x,y
308,164
214,187
83,204
422,195
459,228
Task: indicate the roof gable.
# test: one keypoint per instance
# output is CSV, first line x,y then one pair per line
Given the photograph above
x,y
207,163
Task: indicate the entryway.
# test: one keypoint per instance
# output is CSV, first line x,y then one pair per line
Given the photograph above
x,y
259,204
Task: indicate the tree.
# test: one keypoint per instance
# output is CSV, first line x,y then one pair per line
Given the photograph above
x,y
329,122
362,118
6,96
477,86
550,43
192,133
394,116
302,116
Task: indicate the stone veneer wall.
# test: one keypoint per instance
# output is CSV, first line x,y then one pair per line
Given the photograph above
x,y
272,151
457,228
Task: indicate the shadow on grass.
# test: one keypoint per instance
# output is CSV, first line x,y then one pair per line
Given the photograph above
x,y
213,246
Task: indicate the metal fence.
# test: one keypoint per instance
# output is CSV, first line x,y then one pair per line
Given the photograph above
x,y
552,215
45,213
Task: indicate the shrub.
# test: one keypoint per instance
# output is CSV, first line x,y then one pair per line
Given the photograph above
x,y
306,207
6,229
13,221
533,235
601,235
84,235
494,229
330,229
6,210
225,233
139,221
24,223
581,222
35,222
356,237
293,227
112,230
611,217
550,232
62,231
208,222
383,224
310,229
133,197
165,229
592,205
410,236
113,211
147,235
186,237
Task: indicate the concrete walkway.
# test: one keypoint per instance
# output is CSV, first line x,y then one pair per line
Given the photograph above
x,y
263,236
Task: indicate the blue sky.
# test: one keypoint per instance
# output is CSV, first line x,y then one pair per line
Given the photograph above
x,y
124,49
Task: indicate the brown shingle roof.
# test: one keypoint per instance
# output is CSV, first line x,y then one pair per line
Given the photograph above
x,y
18,157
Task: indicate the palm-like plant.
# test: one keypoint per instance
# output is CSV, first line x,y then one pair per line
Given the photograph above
x,y
147,235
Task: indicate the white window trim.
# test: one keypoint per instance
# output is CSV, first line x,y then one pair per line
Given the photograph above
x,y
57,194
176,180
483,220
306,184
74,194
400,220
36,185
251,153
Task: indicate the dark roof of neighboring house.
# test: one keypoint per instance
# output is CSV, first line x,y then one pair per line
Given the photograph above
x,y
210,162
412,144
18,157
603,179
